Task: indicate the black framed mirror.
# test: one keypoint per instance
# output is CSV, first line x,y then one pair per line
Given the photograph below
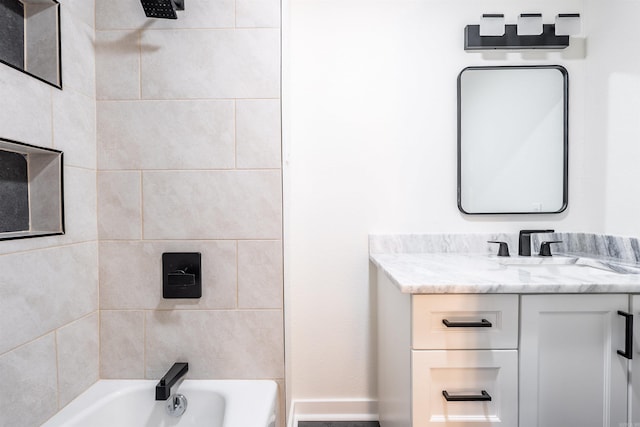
x,y
513,139
30,38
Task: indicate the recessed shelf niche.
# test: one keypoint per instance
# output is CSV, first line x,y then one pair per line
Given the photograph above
x,y
30,38
31,193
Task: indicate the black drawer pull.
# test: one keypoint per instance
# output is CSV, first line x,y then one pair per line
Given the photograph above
x,y
628,335
483,397
484,323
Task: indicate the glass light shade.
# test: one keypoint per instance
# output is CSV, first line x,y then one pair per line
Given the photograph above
x,y
492,25
568,24
530,24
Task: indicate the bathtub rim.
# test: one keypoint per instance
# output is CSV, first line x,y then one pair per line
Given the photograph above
x,y
236,393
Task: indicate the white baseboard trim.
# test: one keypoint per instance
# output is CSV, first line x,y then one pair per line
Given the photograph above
x,y
332,410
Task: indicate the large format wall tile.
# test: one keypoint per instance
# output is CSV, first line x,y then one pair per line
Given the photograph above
x,y
127,14
29,383
131,275
80,202
260,274
212,205
82,10
166,135
118,64
78,54
211,64
190,161
119,211
258,133
74,127
258,13
121,344
217,344
78,353
43,290
28,120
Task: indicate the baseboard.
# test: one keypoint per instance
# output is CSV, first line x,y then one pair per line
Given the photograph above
x,y
332,410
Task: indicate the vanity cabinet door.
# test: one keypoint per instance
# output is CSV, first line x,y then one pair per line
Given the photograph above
x,y
635,363
570,371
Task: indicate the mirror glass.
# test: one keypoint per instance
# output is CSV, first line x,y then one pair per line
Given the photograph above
x,y
512,139
30,38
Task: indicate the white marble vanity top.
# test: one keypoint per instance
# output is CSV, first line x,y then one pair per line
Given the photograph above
x,y
450,272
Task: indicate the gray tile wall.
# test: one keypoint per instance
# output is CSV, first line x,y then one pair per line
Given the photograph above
x,y
188,147
49,286
185,160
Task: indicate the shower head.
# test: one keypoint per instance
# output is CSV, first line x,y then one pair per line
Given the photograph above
x,y
162,8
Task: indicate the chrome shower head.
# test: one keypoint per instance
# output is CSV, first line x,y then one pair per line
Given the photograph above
x,y
162,8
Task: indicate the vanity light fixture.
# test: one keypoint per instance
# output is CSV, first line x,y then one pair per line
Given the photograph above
x,y
529,33
568,24
530,24
492,24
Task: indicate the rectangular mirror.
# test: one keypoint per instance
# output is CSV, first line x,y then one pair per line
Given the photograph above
x,y
512,139
30,38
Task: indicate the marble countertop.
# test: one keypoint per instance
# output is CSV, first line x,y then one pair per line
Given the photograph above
x,y
442,273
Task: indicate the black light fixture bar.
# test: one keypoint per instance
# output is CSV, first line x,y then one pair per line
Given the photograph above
x,y
569,15
511,40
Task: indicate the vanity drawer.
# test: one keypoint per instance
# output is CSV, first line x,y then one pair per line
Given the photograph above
x,y
478,375
474,322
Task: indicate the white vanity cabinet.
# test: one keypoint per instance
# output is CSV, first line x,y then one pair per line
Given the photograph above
x,y
447,360
545,360
634,415
570,371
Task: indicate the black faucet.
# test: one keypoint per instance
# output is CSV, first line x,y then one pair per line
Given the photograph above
x,y
163,388
524,241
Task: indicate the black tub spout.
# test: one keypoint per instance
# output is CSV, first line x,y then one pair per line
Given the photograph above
x,y
163,388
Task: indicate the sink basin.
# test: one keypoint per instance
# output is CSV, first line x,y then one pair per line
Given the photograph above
x,y
560,260
613,267
537,260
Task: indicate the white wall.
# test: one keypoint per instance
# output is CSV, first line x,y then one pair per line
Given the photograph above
x,y
370,146
614,110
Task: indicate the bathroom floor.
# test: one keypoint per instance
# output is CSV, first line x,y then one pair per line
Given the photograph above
x,y
338,424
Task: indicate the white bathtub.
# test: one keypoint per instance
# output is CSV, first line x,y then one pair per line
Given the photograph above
x,y
211,403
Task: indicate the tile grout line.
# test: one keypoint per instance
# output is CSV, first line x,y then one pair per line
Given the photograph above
x,y
99,339
139,66
237,275
144,344
235,134
141,205
46,248
55,343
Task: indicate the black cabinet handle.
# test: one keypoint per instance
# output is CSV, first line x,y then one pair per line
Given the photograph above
x,y
483,397
628,335
484,323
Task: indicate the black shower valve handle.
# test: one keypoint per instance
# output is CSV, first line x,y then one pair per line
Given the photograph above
x,y
503,250
545,249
